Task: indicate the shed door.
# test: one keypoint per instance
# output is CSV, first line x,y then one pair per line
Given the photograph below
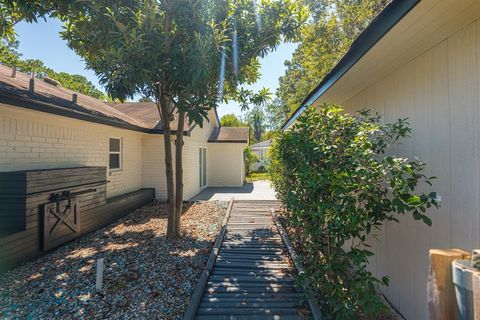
x,y
202,153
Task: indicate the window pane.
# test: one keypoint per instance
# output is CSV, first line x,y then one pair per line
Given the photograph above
x,y
204,167
114,145
200,166
114,161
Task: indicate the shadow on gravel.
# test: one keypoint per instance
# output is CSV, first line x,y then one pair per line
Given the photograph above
x,y
145,276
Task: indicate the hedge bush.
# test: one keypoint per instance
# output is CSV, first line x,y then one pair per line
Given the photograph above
x,y
250,158
339,185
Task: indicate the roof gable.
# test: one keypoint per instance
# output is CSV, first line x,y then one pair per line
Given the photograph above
x,y
262,144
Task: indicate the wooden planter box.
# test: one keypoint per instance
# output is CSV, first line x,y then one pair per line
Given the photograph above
x,y
42,209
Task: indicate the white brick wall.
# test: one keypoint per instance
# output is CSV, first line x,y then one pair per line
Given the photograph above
x,y
35,140
154,166
154,160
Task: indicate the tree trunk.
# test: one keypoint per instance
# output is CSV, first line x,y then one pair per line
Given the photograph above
x,y
179,172
165,101
163,107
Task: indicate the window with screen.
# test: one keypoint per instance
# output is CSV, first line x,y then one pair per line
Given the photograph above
x,y
115,154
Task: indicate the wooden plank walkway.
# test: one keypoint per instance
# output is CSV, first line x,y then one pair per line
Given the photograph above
x,y
252,277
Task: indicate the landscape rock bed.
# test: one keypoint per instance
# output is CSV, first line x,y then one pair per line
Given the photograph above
x,y
145,275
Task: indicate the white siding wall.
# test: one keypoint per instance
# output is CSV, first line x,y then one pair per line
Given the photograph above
x,y
153,157
225,164
154,160
154,166
35,140
439,92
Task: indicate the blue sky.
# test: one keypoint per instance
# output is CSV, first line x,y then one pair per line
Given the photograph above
x,y
42,41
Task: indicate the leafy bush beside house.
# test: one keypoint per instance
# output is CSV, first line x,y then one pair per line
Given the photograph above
x,y
339,186
250,157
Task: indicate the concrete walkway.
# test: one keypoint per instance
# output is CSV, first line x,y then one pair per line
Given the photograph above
x,y
258,190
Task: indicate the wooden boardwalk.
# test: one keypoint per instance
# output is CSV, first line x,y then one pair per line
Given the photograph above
x,y
252,277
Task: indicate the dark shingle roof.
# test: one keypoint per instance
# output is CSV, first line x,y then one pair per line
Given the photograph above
x,y
230,135
139,116
58,100
147,113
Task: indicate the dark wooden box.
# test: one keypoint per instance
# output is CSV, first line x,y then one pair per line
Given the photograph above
x,y
42,209
21,187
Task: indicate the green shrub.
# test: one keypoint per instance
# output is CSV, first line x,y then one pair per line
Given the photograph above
x,y
339,186
250,157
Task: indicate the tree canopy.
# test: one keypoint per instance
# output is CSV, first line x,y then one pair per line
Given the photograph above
x,y
332,28
231,120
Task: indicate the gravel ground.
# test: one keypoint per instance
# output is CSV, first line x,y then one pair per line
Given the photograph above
x,y
145,275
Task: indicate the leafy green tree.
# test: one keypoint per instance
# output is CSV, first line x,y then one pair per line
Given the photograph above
x,y
276,113
338,184
77,83
231,120
12,12
333,27
185,54
145,99
268,135
254,104
256,119
9,54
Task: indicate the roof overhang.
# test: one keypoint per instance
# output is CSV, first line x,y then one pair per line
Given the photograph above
x,y
401,32
229,141
67,111
229,135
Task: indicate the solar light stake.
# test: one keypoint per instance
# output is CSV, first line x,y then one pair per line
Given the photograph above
x,y
31,85
100,267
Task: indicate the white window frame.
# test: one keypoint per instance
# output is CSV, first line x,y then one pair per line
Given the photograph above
x,y
120,153
203,178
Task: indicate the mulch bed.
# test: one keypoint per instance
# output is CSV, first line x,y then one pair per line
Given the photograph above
x,y
146,276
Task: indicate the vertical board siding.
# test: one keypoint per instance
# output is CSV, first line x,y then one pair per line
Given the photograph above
x,y
462,98
438,91
440,145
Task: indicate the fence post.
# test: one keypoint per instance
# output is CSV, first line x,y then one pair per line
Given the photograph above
x,y
440,288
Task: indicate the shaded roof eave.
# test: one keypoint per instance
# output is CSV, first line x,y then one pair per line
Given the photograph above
x,y
386,20
227,141
49,108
